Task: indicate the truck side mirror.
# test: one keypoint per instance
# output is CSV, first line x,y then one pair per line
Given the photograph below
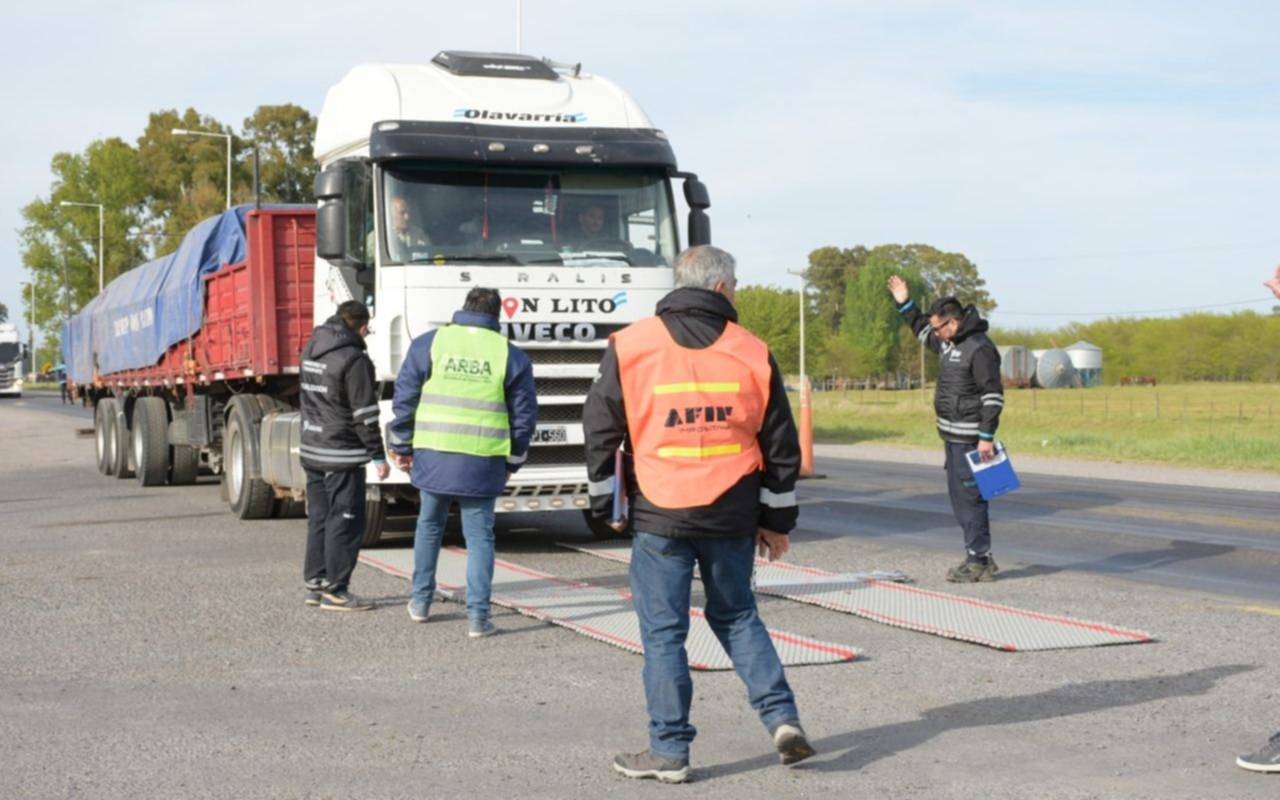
x,y
343,215
699,200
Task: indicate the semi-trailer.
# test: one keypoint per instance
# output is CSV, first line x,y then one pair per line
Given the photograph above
x,y
477,169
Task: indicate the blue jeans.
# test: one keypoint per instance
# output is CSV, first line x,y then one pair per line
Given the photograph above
x,y
477,529
661,581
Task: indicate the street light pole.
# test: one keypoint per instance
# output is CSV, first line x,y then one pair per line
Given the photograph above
x,y
806,408
227,136
31,326
101,231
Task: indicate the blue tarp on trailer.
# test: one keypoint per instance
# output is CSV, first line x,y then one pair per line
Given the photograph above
x,y
148,309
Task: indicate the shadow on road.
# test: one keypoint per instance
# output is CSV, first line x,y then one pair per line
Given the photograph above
x,y
1178,551
857,749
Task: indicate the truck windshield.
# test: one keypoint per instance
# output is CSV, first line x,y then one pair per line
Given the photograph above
x,y
9,352
563,217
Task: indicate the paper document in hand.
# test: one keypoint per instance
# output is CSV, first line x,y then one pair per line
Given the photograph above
x,y
994,477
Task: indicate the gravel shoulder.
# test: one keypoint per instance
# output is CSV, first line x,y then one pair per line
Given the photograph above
x,y
154,646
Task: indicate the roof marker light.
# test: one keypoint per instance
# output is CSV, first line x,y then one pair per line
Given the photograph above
x,y
541,148
388,126
497,147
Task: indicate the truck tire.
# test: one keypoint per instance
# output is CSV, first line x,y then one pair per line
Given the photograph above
x,y
151,441
250,498
601,530
123,444
375,519
288,508
184,465
104,415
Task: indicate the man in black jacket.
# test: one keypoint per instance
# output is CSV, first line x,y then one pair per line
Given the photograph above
x,y
340,435
967,401
698,403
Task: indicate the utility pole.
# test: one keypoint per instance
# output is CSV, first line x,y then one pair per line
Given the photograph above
x,y
31,327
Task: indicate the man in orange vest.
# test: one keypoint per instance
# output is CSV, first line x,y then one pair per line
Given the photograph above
x,y
699,407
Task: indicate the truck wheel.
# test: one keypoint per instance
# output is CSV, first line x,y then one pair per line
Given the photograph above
x,y
288,508
600,529
123,444
184,465
104,415
250,498
375,518
151,441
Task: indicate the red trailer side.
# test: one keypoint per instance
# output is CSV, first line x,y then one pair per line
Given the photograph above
x,y
257,313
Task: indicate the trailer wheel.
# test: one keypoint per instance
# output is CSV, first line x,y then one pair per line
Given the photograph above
x,y
600,528
288,508
123,443
250,498
151,441
184,465
104,414
375,519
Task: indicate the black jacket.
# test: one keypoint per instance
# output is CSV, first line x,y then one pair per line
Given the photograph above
x,y
970,395
767,499
339,401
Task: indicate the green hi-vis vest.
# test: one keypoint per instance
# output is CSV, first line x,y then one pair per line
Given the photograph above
x,y
463,407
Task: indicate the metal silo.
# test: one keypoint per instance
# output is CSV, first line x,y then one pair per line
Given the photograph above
x,y
1054,370
1016,365
1087,359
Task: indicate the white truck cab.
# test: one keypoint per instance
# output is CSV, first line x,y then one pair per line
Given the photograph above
x,y
509,172
11,355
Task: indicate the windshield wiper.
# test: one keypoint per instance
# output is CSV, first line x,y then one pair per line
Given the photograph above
x,y
483,258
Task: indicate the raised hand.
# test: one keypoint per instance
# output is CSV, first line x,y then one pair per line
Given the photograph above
x,y
1274,284
898,288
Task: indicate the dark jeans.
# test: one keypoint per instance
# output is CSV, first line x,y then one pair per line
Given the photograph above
x,y
661,581
335,525
966,501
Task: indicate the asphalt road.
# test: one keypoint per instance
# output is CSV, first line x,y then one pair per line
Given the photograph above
x,y
151,645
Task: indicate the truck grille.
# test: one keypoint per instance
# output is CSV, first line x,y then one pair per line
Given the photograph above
x,y
6,376
564,355
556,455
562,387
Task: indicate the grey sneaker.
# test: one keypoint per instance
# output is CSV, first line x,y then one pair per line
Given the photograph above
x,y
1265,760
791,743
975,569
314,587
480,628
648,765
343,601
418,610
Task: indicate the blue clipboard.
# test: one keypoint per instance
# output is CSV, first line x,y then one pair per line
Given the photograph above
x,y
995,477
619,489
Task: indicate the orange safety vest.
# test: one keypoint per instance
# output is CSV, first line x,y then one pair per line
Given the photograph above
x,y
693,415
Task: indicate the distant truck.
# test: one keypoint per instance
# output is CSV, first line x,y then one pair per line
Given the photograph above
x,y
477,169
11,356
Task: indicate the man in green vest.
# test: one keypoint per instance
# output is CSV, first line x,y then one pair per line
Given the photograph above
x,y
465,409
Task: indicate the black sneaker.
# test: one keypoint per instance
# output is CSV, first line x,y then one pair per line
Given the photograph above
x,y
791,743
973,570
647,765
1265,760
343,601
314,587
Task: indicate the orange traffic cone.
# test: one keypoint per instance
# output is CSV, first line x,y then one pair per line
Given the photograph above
x,y
806,433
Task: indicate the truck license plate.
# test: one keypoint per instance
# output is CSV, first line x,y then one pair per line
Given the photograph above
x,y
551,434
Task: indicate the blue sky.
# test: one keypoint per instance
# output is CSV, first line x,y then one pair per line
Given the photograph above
x,y
1090,157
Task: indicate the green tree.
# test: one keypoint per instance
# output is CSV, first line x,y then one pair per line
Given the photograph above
x,y
4,313
945,274
773,315
871,327
829,273
284,136
60,244
186,174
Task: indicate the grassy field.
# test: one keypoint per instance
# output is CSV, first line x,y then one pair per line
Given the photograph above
x,y
1228,425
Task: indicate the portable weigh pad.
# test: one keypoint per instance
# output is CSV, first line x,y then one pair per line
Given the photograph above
x,y
602,614
951,616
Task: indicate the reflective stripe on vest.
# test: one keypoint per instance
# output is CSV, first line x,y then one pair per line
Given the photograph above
x,y
463,406
693,415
